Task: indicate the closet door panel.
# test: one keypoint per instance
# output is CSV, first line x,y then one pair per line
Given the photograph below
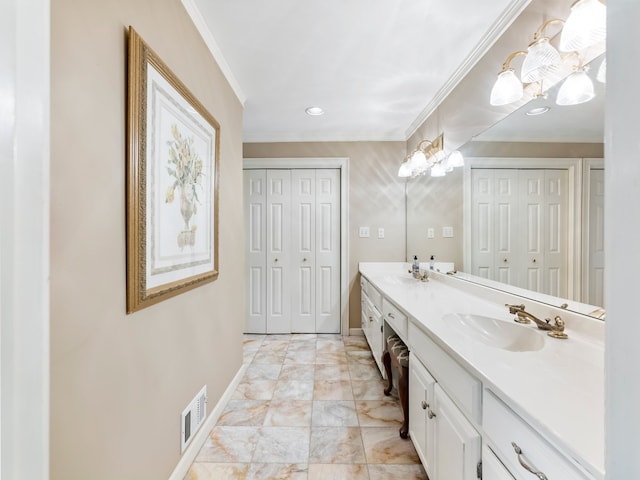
x,y
482,223
506,231
278,258
556,225
328,251
303,233
256,248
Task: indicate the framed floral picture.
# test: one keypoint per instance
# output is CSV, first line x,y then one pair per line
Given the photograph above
x,y
172,183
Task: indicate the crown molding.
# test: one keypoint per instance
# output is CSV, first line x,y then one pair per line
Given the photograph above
x,y
201,25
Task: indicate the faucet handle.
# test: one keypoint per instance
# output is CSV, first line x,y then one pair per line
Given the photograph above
x,y
514,308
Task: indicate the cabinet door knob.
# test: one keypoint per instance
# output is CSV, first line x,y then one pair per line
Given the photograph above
x,y
518,450
430,414
390,315
424,405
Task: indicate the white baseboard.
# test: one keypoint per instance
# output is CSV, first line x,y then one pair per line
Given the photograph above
x,y
201,435
356,331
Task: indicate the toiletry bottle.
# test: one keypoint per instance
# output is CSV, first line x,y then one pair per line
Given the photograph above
x,y
431,262
415,268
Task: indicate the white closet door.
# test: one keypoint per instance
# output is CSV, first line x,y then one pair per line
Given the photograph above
x,y
556,232
327,251
278,251
595,267
482,226
255,214
506,237
532,200
303,199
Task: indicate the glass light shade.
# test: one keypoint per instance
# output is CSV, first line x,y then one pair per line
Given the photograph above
x,y
507,89
438,170
586,26
577,88
418,162
438,156
602,71
446,165
541,58
405,170
456,159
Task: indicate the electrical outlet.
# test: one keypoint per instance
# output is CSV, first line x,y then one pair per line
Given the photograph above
x,y
431,233
364,232
447,232
380,232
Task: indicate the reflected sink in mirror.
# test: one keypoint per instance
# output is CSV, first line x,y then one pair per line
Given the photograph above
x,y
496,333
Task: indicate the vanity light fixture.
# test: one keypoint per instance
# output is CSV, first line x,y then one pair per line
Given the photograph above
x,y
584,29
314,111
508,87
576,89
430,155
586,25
542,57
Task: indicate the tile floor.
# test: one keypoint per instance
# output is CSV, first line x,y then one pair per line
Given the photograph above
x,y
308,407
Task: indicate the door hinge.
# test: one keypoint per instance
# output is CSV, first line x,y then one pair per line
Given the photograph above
x,y
479,470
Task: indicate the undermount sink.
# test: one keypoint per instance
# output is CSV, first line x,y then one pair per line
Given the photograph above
x,y
496,333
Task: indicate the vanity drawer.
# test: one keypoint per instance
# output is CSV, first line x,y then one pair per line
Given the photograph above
x,y
395,318
503,427
460,385
374,295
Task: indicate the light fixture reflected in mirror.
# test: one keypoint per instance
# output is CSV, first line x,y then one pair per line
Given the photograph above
x,y
586,26
542,57
430,155
602,71
576,89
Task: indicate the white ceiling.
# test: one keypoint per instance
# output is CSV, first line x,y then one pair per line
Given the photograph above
x,y
377,68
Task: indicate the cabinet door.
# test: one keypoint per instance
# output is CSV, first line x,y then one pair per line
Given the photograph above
x,y
456,445
421,385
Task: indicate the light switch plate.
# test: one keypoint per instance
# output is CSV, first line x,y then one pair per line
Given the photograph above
x,y
447,232
380,232
431,233
364,232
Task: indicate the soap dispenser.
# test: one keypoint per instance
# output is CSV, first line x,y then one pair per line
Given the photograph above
x,y
415,268
431,262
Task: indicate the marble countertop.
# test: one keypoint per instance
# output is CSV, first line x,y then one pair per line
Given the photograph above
x,y
559,389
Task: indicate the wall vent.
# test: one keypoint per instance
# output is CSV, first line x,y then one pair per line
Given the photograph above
x,y
192,417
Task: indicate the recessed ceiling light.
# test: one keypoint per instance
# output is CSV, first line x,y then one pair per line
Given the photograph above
x,y
538,111
314,111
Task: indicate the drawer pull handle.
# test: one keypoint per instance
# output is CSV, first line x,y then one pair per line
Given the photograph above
x,y
518,450
424,405
370,318
430,414
390,315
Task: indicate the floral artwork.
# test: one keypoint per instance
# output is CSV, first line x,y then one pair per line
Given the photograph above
x,y
172,183
186,167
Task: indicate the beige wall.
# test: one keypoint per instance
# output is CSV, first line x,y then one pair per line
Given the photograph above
x,y
119,382
376,199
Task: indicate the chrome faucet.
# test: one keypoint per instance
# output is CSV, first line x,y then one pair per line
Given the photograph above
x,y
555,330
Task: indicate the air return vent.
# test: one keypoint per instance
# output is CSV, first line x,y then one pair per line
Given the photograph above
x,y
192,417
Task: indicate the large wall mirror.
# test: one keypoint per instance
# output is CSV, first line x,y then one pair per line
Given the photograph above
x,y
545,247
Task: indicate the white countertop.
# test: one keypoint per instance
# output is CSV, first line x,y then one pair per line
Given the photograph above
x,y
559,389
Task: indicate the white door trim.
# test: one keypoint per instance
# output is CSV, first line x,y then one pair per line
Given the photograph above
x,y
343,165
574,168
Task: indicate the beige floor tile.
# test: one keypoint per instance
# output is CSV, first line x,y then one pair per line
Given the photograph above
x,y
334,413
384,445
336,445
282,445
332,390
279,471
397,472
218,471
379,413
338,472
289,413
244,413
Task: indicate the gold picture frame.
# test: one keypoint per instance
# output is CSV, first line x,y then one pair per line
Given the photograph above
x,y
173,146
